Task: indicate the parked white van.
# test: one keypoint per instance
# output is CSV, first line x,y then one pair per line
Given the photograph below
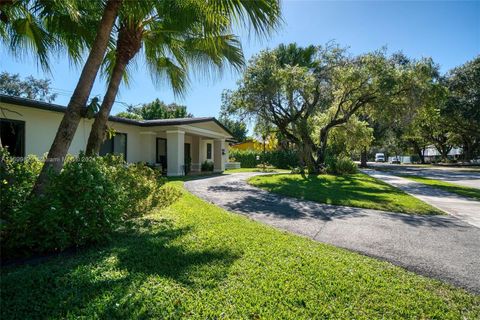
x,y
379,157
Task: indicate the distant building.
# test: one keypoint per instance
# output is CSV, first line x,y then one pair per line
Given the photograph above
x,y
431,153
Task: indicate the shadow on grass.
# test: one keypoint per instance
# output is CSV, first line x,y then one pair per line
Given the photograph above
x,y
144,250
472,193
344,190
251,201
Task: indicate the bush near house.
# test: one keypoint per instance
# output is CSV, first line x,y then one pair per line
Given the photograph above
x,y
83,204
282,159
207,165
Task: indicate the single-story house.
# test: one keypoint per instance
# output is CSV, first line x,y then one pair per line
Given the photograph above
x,y
29,127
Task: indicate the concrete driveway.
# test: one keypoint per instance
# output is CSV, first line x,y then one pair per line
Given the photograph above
x,y
466,209
462,176
441,247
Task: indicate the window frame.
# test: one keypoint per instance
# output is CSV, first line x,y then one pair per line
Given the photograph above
x,y
23,136
209,157
113,144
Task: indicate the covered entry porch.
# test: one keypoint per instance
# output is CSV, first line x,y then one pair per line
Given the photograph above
x,y
182,149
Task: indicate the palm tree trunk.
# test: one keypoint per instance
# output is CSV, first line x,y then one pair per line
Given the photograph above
x,y
76,106
129,43
99,127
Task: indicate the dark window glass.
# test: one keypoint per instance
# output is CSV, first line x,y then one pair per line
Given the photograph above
x,y
186,151
117,145
12,135
209,151
162,152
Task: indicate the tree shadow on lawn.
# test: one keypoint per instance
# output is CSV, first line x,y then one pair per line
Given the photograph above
x,y
102,277
345,190
266,205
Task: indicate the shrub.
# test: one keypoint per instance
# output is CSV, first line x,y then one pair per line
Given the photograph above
x,y
85,203
341,166
16,182
207,166
282,159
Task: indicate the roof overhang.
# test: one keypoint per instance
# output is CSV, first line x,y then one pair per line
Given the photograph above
x,y
141,123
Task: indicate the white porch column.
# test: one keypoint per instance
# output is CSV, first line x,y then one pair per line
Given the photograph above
x,y
218,155
195,149
175,152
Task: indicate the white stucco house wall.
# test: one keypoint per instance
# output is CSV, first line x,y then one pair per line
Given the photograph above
x,y
29,127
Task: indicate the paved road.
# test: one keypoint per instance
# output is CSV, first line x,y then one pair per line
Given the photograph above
x,y
462,176
463,208
442,247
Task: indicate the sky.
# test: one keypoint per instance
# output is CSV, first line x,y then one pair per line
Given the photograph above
x,y
449,32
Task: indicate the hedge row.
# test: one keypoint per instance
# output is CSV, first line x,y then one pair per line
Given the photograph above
x,y
83,204
278,158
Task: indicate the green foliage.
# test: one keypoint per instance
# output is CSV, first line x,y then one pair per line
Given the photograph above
x,y
305,93
197,261
30,88
128,115
462,108
282,159
16,181
350,138
207,165
247,158
341,166
156,110
237,128
85,203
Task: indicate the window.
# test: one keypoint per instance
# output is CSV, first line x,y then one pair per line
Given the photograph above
x,y
116,145
162,152
209,151
12,135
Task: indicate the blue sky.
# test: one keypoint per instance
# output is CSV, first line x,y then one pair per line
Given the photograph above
x,y
449,32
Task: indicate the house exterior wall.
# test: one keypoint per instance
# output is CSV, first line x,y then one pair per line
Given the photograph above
x,y
41,127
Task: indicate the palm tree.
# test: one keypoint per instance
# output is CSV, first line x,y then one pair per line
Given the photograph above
x,y
172,40
76,106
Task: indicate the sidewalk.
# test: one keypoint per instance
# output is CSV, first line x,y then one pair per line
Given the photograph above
x,y
453,204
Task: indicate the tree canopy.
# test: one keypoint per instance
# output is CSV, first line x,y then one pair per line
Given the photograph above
x,y
156,109
307,92
30,88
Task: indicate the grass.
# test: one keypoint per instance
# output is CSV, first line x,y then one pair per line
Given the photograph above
x,y
256,170
447,186
195,260
355,190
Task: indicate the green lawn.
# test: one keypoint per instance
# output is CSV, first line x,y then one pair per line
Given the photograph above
x,y
447,186
355,190
256,170
195,260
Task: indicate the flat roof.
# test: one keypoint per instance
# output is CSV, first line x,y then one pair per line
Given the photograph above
x,y
142,123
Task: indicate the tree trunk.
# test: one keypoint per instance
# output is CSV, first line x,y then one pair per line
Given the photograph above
x,y
467,149
99,127
363,158
418,151
76,106
128,45
321,151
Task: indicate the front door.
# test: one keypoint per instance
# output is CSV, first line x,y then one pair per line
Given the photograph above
x,y
161,157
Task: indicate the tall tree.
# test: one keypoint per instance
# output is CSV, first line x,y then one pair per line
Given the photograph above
x,y
30,88
76,106
236,127
322,95
462,106
156,109
177,35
